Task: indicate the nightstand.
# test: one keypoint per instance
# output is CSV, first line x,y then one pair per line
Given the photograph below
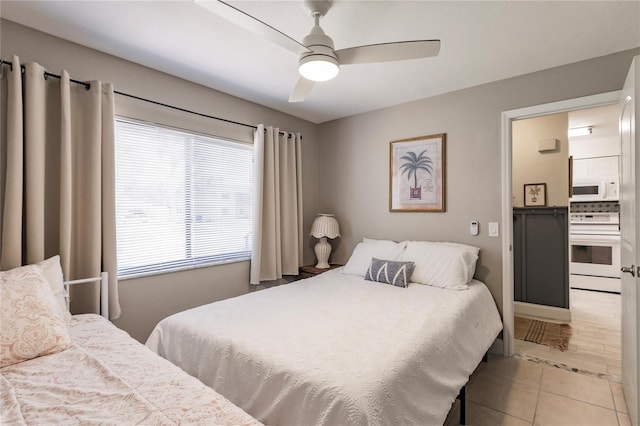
x,y
309,271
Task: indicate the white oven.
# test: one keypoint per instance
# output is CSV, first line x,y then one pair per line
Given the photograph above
x,y
596,255
594,251
601,189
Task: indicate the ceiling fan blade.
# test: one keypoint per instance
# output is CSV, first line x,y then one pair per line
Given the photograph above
x,y
387,52
256,26
302,89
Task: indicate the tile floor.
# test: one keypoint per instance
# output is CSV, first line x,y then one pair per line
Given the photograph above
x,y
537,386
514,391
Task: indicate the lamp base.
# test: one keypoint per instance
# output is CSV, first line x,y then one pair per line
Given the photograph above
x,y
323,250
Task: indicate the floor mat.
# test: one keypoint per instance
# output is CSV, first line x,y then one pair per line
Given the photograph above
x,y
543,332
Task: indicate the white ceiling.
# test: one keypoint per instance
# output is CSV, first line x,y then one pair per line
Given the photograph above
x,y
482,41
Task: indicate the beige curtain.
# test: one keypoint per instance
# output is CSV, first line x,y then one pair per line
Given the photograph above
x,y
59,183
277,207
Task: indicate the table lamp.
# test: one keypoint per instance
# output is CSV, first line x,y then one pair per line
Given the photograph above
x,y
324,226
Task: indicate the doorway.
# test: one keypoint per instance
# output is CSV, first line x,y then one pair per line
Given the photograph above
x,y
507,193
567,269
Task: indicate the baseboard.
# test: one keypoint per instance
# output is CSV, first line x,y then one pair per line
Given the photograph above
x,y
542,311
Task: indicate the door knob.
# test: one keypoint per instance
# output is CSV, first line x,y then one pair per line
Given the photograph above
x,y
629,270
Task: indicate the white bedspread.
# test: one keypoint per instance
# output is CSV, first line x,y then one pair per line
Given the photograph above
x,y
336,349
106,377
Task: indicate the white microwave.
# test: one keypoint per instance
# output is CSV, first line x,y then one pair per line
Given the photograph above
x,y
601,189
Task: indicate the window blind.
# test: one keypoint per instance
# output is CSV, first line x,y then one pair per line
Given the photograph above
x,y
182,199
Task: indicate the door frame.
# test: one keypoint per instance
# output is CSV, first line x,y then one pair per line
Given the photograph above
x,y
508,117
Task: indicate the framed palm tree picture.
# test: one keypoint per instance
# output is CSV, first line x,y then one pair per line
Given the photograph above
x,y
417,174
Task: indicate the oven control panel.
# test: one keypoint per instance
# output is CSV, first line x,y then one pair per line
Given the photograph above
x,y
595,218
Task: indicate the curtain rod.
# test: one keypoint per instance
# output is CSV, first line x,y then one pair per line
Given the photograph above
x,y
88,86
185,110
47,74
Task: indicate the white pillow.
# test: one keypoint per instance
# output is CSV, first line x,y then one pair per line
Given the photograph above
x,y
361,257
372,241
32,325
445,265
387,245
471,259
52,271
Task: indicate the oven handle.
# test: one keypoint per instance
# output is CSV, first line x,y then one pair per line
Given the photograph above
x,y
594,238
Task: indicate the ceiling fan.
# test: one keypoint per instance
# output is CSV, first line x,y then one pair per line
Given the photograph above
x,y
319,61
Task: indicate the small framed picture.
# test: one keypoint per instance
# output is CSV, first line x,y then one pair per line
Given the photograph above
x,y
535,194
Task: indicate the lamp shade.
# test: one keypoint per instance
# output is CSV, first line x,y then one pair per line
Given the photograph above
x,y
325,225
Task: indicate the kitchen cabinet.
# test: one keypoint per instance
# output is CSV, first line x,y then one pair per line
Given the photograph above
x,y
594,147
595,168
541,256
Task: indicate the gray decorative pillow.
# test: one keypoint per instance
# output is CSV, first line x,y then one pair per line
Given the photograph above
x,y
390,272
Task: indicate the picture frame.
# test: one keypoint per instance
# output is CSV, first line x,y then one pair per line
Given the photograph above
x,y
535,194
417,179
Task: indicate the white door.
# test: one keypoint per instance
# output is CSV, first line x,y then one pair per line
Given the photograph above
x,y
630,238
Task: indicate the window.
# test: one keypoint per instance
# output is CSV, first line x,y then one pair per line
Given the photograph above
x,y
182,199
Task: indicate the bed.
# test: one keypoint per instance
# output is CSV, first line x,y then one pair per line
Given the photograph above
x,y
339,349
81,369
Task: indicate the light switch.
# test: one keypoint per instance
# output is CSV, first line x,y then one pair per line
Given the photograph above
x,y
494,229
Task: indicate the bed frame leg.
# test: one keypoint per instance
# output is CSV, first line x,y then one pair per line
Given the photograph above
x,y
463,399
462,396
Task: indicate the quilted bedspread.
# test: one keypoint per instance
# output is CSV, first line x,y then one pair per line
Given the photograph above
x,y
106,377
336,349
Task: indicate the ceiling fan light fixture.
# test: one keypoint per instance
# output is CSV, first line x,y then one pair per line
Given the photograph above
x,y
318,68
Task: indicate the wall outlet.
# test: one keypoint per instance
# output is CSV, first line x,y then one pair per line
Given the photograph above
x,y
494,229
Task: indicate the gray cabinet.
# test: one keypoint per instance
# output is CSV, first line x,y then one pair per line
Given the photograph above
x,y
541,256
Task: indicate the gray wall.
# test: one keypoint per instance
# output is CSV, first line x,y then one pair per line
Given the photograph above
x,y
354,177
146,301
